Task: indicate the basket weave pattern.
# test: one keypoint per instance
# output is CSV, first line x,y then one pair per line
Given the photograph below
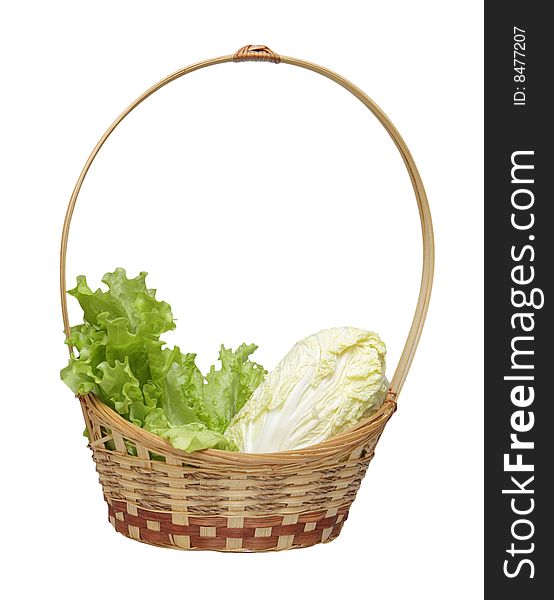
x,y
227,501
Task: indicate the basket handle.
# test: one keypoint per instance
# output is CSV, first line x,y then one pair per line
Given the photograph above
x,y
263,53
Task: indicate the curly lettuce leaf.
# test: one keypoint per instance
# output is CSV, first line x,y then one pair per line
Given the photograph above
x,y
196,436
183,401
79,377
123,361
190,437
118,386
227,389
125,298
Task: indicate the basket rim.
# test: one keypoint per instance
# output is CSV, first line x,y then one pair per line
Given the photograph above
x,y
354,436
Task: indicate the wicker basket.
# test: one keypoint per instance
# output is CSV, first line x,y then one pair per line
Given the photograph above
x,y
231,501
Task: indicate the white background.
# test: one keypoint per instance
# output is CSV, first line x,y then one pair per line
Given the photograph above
x,y
266,203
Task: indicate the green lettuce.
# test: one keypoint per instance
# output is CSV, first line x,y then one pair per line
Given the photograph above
x,y
227,389
122,360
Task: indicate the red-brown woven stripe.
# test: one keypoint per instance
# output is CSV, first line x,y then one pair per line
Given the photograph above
x,y
219,543
260,533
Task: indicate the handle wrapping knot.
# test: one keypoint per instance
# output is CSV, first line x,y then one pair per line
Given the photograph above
x,y
256,53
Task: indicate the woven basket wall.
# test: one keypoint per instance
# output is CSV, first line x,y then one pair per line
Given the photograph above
x,y
216,500
228,500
